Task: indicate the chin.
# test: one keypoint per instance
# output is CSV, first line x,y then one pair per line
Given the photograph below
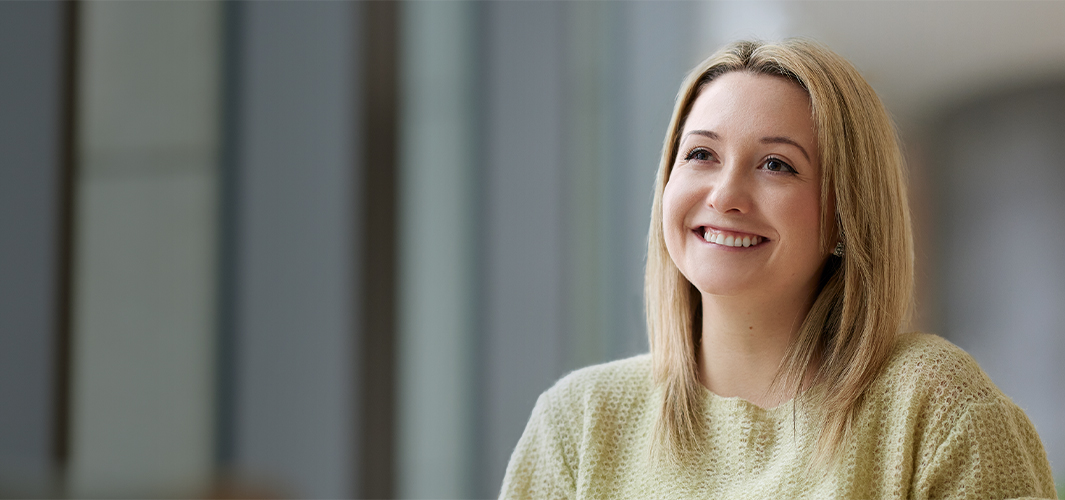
x,y
721,291
722,285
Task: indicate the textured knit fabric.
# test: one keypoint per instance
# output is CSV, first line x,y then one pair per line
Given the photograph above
x,y
932,426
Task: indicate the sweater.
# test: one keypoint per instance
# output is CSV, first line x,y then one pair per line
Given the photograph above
x,y
932,425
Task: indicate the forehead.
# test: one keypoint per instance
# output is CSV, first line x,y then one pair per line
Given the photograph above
x,y
740,104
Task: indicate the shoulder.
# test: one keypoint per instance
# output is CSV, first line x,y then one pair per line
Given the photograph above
x,y
926,366
607,384
598,398
967,436
920,350
926,389
582,407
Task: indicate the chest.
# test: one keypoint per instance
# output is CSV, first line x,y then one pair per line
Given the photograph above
x,y
743,458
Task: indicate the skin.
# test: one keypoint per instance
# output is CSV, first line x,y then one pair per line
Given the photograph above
x,y
747,165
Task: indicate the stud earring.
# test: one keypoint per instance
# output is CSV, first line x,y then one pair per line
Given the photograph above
x,y
838,252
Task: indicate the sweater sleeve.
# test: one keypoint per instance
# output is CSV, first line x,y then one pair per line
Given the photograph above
x,y
992,452
539,467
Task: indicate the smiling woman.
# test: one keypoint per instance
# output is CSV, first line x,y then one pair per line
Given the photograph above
x,y
779,277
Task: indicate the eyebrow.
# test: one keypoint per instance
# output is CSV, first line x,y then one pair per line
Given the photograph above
x,y
785,140
765,140
705,133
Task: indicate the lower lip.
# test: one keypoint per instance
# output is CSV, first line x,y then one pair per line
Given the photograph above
x,y
728,248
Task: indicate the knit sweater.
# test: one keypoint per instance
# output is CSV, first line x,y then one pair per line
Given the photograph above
x,y
933,425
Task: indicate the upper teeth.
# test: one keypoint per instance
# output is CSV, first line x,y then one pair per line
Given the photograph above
x,y
730,240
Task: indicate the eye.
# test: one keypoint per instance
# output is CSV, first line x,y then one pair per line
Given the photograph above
x,y
777,165
699,154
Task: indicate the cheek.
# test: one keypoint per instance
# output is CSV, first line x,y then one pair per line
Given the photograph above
x,y
673,212
800,216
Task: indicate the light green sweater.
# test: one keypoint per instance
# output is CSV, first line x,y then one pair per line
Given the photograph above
x,y
932,426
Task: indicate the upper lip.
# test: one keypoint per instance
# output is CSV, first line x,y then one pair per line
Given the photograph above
x,y
727,229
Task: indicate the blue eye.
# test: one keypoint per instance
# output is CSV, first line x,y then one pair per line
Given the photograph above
x,y
777,165
698,154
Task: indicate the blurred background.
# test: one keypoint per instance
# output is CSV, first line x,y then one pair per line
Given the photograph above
x,y
332,249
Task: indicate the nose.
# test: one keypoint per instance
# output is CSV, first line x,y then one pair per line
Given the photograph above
x,y
730,192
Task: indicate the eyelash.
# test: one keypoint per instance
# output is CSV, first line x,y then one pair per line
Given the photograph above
x,y
786,167
691,154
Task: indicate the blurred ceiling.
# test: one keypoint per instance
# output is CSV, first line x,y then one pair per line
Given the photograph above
x,y
923,57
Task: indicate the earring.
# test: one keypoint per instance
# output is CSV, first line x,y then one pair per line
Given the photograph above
x,y
838,252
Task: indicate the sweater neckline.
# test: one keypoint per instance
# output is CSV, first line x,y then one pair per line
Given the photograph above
x,y
736,405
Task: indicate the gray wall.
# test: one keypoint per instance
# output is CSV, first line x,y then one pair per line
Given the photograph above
x,y
214,322
1000,184
31,113
216,306
530,139
294,247
521,302
578,96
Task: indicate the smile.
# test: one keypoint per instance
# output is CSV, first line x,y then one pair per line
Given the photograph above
x,y
729,239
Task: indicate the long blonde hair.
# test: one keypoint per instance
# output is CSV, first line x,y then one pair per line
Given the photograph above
x,y
865,296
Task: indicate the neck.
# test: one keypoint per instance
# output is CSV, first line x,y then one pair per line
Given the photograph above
x,y
744,341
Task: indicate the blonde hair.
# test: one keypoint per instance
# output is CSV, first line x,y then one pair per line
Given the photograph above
x,y
865,296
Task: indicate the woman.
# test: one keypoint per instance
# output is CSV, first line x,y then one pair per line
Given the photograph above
x,y
779,275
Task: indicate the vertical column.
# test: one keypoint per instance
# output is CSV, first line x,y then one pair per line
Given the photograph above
x,y
145,238
379,259
295,223
32,181
438,193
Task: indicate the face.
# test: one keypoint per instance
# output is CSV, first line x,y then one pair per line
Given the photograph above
x,y
741,210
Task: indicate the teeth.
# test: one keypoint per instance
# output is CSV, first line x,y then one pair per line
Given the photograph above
x,y
731,241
